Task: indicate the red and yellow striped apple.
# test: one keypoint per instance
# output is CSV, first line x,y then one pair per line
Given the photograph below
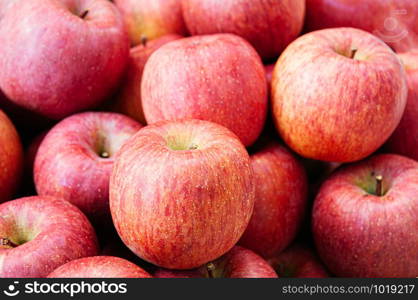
x,y
181,193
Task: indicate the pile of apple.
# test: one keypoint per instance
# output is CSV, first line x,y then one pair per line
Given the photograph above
x,y
208,138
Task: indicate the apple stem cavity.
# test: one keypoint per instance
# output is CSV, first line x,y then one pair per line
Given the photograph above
x,y
84,14
5,242
379,185
210,268
353,52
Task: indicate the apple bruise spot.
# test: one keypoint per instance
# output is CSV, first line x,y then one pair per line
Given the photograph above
x,y
6,243
193,147
84,14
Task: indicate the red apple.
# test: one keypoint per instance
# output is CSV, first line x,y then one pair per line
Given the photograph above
x,y
298,261
404,140
365,219
338,94
237,263
39,234
11,158
181,193
99,267
4,5
217,78
280,199
393,21
70,68
269,73
268,25
151,19
75,159
128,101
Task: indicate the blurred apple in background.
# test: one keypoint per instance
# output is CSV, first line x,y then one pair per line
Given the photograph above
x,y
128,100
39,234
217,78
99,267
338,94
298,261
269,73
237,263
11,158
75,159
280,199
181,193
404,140
393,21
268,25
68,69
365,218
151,19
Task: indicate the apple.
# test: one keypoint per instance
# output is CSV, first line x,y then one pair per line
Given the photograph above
x,y
11,158
268,25
393,21
68,69
269,73
404,140
181,193
99,267
4,5
75,159
237,263
338,94
365,218
280,199
39,234
151,19
128,100
217,78
298,261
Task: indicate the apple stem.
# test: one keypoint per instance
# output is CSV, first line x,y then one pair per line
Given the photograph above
x,y
353,52
84,14
104,154
379,185
8,243
210,267
144,40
